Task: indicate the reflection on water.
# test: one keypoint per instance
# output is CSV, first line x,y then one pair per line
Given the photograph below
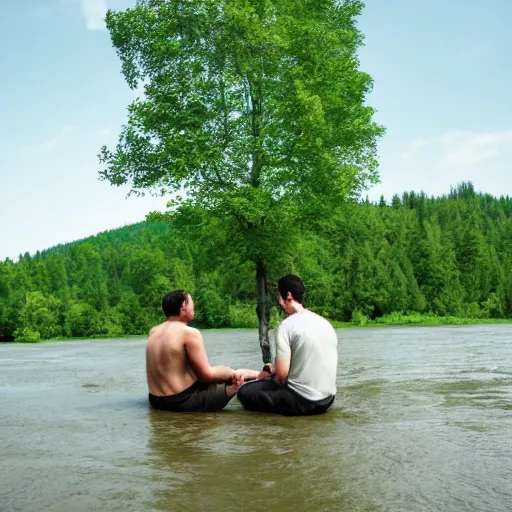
x,y
421,422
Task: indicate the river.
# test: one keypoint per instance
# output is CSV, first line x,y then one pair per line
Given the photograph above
x,y
422,422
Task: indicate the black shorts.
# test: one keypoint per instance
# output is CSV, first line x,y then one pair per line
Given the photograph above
x,y
271,397
200,397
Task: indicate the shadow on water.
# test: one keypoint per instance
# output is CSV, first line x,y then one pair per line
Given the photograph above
x,y
234,459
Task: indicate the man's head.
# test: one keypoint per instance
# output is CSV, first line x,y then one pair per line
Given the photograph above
x,y
178,303
291,290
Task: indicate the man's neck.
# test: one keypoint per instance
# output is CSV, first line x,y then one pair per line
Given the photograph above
x,y
177,319
296,307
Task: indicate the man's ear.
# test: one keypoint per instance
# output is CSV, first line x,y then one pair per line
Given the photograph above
x,y
289,296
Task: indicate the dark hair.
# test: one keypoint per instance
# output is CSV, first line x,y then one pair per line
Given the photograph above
x,y
292,284
172,302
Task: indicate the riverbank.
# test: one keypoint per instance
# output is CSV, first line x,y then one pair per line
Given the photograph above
x,y
417,319
393,320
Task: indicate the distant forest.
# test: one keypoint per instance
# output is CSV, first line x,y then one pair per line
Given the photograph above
x,y
450,255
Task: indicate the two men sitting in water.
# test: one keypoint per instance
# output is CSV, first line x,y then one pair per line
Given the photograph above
x,y
302,381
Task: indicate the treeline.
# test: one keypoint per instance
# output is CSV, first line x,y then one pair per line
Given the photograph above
x,y
449,256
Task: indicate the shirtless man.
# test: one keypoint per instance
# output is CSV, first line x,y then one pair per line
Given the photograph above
x,y
179,375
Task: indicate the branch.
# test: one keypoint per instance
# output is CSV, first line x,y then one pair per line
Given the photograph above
x,y
225,112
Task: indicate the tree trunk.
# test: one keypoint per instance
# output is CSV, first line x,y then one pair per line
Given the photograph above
x,y
263,310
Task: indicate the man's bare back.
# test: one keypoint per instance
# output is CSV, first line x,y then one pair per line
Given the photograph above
x,y
168,369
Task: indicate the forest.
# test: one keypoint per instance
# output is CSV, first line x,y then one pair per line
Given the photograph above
x,y
444,256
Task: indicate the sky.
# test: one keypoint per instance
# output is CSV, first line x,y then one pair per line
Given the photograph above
x,y
442,73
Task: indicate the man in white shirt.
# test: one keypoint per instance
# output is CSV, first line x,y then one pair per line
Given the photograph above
x,y
303,381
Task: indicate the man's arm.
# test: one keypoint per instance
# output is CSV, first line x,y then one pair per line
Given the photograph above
x,y
246,374
196,353
283,355
282,370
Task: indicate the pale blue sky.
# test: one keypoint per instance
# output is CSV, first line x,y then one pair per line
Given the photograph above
x,y
442,72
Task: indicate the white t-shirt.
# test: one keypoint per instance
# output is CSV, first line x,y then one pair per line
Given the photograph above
x,y
310,343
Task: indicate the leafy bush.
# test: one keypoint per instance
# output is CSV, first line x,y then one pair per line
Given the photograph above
x,y
359,319
27,335
243,315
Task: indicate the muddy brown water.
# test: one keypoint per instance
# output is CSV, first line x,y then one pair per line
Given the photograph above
x,y
422,422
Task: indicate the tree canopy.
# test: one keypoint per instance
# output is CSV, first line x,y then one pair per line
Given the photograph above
x,y
253,110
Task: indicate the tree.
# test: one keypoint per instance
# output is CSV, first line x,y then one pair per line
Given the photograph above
x,y
7,324
40,315
436,270
255,108
82,320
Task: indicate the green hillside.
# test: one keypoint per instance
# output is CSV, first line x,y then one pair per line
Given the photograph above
x,y
448,256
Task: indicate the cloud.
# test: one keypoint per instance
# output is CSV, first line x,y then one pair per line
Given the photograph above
x,y
94,12
462,149
406,155
434,164
467,149
50,143
43,147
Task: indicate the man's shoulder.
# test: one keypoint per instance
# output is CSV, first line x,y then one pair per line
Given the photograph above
x,y
306,316
191,333
310,321
287,323
156,330
173,330
318,317
326,326
298,322
321,319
